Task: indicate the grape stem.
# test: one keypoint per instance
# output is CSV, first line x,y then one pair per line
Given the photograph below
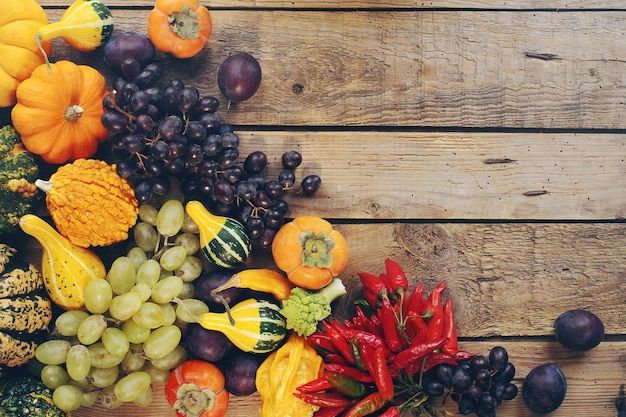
x,y
118,108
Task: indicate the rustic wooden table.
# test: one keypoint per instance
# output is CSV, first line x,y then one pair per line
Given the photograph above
x,y
407,109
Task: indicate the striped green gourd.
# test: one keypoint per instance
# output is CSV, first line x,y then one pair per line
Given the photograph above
x,y
252,325
224,240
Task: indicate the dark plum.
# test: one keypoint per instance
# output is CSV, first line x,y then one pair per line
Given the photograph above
x,y
128,45
240,373
209,281
209,345
579,330
544,389
239,76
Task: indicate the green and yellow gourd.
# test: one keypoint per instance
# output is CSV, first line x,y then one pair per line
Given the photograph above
x,y
85,25
223,240
65,267
25,309
252,325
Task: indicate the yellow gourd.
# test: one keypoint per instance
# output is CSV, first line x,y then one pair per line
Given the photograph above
x,y
85,25
65,267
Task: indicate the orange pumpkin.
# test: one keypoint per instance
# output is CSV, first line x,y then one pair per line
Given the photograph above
x,y
19,23
310,251
179,27
58,111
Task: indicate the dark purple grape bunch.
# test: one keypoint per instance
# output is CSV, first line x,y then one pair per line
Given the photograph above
x,y
478,385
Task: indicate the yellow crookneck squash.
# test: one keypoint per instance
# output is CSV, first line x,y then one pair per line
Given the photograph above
x,y
19,23
58,111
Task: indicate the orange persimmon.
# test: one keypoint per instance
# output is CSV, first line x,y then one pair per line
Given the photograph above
x,y
179,27
310,251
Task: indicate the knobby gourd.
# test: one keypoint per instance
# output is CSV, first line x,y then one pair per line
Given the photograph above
x,y
59,110
19,23
18,172
25,309
223,240
85,25
90,203
66,268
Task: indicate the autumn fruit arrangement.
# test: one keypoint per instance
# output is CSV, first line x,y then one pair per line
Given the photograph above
x,y
183,213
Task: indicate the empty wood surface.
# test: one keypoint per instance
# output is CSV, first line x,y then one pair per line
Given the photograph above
x,y
480,142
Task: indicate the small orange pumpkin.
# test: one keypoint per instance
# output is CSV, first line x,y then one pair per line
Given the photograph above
x,y
59,110
310,251
19,23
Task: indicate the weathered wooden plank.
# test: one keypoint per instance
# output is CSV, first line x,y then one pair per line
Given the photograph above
x,y
593,380
365,4
429,68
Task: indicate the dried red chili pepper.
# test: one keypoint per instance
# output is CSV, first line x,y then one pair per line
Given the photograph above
x,y
344,384
416,351
435,324
325,399
339,341
329,411
369,404
316,385
396,277
353,373
392,411
449,329
373,284
381,374
390,326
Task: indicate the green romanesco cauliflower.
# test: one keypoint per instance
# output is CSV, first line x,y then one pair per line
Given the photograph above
x,y
304,309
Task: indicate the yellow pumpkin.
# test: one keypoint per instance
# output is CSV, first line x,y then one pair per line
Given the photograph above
x,y
59,110
19,23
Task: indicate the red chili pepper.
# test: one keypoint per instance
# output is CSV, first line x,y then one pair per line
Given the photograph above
x,y
384,278
335,358
345,385
414,301
415,327
366,323
316,385
370,297
356,354
340,327
329,411
416,351
396,277
365,337
322,341
381,374
325,399
390,326
435,324
392,411
366,406
462,355
349,371
449,329
339,341
437,358
373,284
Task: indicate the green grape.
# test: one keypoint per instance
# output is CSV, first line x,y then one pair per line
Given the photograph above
x,y
67,322
173,258
144,289
53,376
166,289
115,341
132,386
146,237
82,384
89,398
170,218
108,400
145,399
135,332
149,272
148,214
188,291
170,313
158,376
67,397
189,241
102,358
53,352
137,256
103,377
98,295
78,362
149,315
133,362
190,269
172,360
189,226
162,341
188,310
123,306
121,275
91,329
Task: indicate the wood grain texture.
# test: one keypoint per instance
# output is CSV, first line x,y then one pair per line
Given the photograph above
x,y
414,68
